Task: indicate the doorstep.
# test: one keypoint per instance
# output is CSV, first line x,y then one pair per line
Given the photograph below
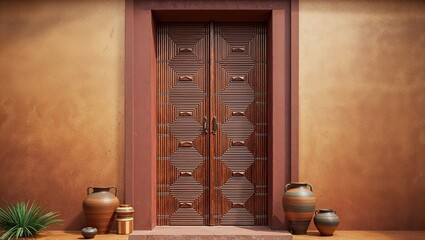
x,y
211,232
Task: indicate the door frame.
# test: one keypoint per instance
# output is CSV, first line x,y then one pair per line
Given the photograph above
x,y
140,93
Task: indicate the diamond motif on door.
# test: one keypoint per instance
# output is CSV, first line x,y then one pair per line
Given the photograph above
x,y
186,94
238,158
186,159
181,100
238,128
240,68
211,174
185,128
237,95
186,189
186,217
238,189
238,216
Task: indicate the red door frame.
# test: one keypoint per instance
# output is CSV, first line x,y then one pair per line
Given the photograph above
x,y
140,93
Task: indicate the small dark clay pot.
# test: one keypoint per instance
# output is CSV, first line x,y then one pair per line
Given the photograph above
x,y
89,232
326,221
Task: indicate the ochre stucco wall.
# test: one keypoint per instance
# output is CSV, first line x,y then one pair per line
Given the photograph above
x,y
61,102
362,110
362,114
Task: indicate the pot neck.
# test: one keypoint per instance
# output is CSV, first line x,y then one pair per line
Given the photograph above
x,y
298,185
101,189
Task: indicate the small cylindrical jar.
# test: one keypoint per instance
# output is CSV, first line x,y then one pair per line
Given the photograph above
x,y
125,219
326,221
125,226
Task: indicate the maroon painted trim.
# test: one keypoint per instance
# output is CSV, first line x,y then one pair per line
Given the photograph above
x,y
140,119
207,15
129,103
294,91
219,5
140,164
279,114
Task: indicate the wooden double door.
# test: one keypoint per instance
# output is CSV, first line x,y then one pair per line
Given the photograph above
x,y
211,124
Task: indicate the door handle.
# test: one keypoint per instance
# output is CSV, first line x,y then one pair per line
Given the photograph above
x,y
214,126
205,125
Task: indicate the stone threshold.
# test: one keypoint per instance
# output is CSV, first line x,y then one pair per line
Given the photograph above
x,y
211,232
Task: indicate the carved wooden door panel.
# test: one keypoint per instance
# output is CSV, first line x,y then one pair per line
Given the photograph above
x,y
212,124
239,162
182,108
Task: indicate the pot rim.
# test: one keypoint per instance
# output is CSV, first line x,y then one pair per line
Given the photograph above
x,y
298,183
89,228
125,219
101,187
325,210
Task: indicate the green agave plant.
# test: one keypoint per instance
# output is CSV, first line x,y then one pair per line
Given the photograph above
x,y
24,220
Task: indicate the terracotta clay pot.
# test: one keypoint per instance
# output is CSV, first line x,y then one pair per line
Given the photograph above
x,y
99,207
299,204
326,221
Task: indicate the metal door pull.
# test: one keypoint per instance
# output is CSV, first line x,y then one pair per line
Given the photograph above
x,y
214,127
205,125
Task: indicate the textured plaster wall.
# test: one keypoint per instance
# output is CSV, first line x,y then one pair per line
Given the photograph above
x,y
61,102
362,110
362,114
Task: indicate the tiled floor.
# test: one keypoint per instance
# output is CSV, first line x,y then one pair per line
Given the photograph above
x,y
60,235
339,235
365,235
217,232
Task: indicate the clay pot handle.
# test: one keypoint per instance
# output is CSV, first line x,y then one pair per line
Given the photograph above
x,y
88,190
311,188
286,187
116,190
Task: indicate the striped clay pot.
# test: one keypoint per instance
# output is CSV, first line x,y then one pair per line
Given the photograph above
x,y
326,221
299,204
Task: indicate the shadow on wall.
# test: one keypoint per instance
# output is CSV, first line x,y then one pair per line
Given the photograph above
x,y
45,16
78,222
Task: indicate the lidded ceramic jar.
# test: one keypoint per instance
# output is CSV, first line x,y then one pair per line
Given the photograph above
x,y
125,219
124,211
299,203
99,208
326,221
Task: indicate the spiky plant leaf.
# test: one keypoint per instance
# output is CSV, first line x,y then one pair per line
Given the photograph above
x,y
24,220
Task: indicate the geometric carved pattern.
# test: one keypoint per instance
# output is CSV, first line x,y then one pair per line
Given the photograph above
x,y
237,95
186,217
186,189
205,178
186,159
182,95
185,128
238,128
186,94
241,92
238,189
238,158
238,216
